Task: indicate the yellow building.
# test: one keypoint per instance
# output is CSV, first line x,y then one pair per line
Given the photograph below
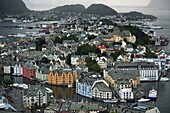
x,y
112,76
114,38
62,77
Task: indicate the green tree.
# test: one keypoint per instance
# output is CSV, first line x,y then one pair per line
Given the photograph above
x,y
92,65
85,49
39,42
7,82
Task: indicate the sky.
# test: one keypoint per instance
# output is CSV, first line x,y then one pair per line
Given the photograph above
x,y
48,4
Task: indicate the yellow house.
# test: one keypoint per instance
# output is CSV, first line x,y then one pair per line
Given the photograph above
x,y
62,77
132,77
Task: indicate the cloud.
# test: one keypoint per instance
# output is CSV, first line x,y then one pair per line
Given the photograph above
x,y
48,4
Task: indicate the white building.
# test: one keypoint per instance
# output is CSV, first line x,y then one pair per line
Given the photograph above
x,y
35,94
126,93
17,70
147,71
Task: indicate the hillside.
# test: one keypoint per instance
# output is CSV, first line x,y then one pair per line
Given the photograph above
x,y
12,7
138,15
77,8
100,9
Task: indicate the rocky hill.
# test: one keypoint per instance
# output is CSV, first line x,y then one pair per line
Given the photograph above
x,y
100,9
12,7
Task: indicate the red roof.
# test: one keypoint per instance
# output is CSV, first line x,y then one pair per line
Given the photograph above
x,y
102,47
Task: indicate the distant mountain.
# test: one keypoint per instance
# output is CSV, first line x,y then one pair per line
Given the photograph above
x,y
100,9
77,8
12,7
138,15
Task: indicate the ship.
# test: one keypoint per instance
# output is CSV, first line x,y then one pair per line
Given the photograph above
x,y
152,95
144,100
164,79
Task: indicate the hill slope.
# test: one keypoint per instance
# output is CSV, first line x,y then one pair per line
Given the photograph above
x,y
12,7
100,9
77,8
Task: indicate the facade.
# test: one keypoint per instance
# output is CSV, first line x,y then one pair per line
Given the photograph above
x,y
147,71
29,70
126,77
62,76
17,70
92,85
102,62
35,95
101,90
42,73
126,93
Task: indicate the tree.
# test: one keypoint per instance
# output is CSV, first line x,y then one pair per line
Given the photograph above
x,y
92,65
90,37
85,49
7,82
39,42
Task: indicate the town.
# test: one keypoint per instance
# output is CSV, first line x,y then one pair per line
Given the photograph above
x,y
104,58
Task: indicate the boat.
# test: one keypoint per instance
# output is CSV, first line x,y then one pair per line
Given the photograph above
x,y
152,95
123,100
164,79
48,90
69,85
111,101
144,100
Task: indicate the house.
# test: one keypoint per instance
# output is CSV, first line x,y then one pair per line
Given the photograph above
x,y
29,70
125,34
101,90
42,73
52,108
17,69
102,62
92,85
35,95
147,71
102,48
63,76
129,48
82,67
78,108
116,76
126,93
7,68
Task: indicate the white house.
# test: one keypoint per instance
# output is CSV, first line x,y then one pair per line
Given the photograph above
x,y
126,93
17,70
100,89
102,62
35,94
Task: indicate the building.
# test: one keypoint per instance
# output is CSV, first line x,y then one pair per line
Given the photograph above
x,y
35,95
62,76
42,73
126,93
147,71
125,77
29,70
52,108
17,69
92,85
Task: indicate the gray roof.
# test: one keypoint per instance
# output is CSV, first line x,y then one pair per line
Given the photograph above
x,y
65,106
66,70
54,107
129,74
84,107
135,65
102,87
33,90
89,77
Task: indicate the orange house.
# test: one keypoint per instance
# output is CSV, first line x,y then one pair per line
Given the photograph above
x,y
62,77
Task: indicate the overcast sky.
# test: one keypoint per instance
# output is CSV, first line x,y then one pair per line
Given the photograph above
x,y
48,4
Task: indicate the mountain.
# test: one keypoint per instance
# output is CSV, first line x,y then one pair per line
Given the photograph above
x,y
12,7
77,8
100,9
138,15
